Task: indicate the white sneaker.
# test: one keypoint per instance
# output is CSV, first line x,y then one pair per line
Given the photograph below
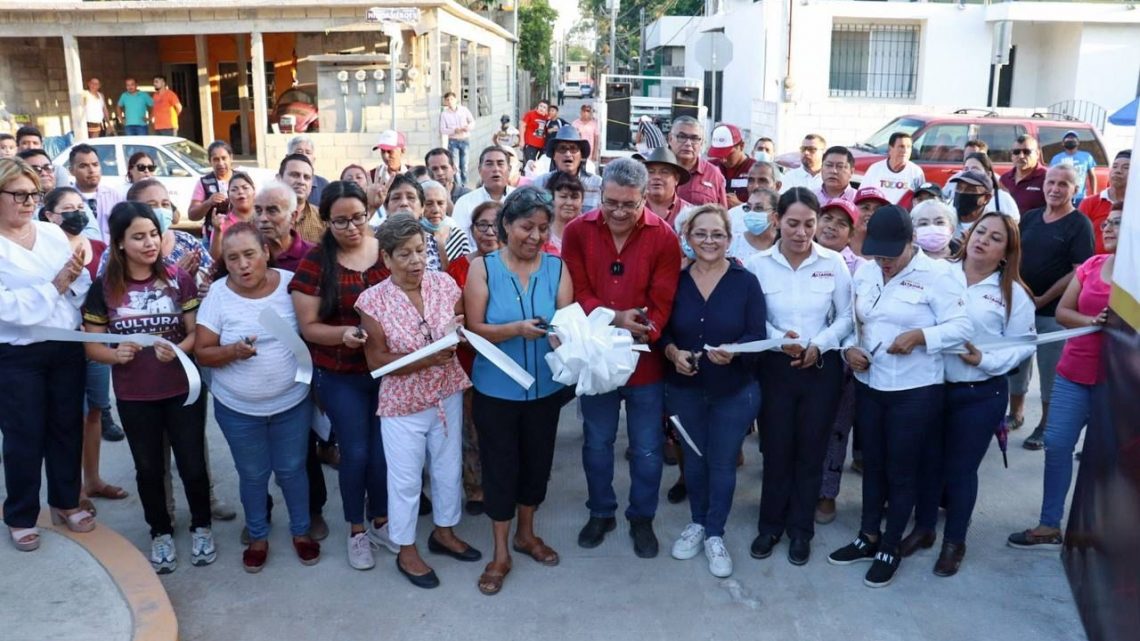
x,y
162,557
720,563
202,551
689,545
360,552
380,539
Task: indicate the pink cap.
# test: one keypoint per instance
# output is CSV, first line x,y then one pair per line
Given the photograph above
x,y
846,206
871,193
391,139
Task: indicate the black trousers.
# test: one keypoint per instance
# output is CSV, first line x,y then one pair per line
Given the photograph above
x,y
145,423
318,491
516,448
795,426
42,387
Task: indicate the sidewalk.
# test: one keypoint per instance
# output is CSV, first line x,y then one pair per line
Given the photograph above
x,y
604,593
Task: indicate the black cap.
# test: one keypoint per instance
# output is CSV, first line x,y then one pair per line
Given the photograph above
x,y
888,232
931,188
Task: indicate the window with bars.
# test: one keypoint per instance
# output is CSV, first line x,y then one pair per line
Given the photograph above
x,y
874,60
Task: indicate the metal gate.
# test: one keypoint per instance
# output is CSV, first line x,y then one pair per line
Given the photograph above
x,y
1083,110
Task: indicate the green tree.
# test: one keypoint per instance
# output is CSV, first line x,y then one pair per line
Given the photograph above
x,y
628,26
536,38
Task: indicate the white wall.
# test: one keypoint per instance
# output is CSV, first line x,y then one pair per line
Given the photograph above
x,y
1109,65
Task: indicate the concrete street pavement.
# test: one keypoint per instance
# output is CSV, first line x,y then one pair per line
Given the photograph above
x,y
605,593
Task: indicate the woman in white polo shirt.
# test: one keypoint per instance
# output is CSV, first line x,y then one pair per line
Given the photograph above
x,y
908,309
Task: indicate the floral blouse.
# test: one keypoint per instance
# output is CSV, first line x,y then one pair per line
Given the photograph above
x,y
407,331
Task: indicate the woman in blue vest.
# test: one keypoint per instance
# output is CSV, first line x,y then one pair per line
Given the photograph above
x,y
510,296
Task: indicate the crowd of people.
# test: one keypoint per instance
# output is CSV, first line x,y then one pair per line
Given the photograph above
x,y
905,310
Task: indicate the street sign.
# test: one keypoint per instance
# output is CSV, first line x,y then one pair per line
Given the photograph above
x,y
713,51
407,15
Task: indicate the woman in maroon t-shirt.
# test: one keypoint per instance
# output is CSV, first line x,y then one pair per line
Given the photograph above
x,y
138,294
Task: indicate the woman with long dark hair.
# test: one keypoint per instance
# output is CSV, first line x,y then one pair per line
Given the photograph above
x,y
999,306
324,289
42,284
807,292
139,294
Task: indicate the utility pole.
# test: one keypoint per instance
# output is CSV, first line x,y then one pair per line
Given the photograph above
x,y
614,5
641,46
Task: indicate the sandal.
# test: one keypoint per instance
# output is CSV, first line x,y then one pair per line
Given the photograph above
x,y
539,551
25,539
490,582
108,491
88,505
79,521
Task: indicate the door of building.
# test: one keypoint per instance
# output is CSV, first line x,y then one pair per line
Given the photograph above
x,y
184,82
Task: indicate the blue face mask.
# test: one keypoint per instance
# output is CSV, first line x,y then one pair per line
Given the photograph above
x,y
165,218
429,226
687,249
756,222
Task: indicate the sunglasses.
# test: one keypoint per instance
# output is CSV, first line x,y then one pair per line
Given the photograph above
x,y
146,168
1020,152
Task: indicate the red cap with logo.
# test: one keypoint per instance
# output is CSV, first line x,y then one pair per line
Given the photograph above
x,y
846,206
724,138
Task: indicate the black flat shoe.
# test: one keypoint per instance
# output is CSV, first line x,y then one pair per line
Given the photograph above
x,y
916,540
474,508
677,493
468,555
594,532
762,546
425,504
950,559
645,543
799,551
425,581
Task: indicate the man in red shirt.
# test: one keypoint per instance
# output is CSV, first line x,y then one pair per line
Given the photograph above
x,y
534,130
726,151
1026,181
623,257
1097,207
707,183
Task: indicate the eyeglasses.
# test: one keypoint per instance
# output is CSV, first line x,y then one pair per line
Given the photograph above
x,y
836,166
805,149
617,268
627,207
425,331
760,209
47,169
484,227
716,236
24,197
344,223
688,138
147,168
1021,152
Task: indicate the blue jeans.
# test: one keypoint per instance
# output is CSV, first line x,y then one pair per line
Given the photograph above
x,y
1068,414
98,387
644,406
350,402
1048,355
262,444
458,149
894,426
717,425
973,412
136,130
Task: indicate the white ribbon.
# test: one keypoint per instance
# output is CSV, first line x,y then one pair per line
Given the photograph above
x,y
1039,339
753,347
593,355
481,345
145,340
676,421
282,331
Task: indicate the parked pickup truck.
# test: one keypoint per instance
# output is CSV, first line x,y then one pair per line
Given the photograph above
x,y
939,140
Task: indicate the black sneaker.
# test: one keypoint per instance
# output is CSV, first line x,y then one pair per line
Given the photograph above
x,y
799,551
762,545
882,570
677,493
1036,440
861,549
644,540
111,433
594,532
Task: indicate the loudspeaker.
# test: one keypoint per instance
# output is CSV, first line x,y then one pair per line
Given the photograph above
x,y
618,135
685,102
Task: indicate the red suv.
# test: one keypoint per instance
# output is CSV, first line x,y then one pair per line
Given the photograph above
x,y
939,140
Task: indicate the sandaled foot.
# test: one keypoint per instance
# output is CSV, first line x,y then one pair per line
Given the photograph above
x,y
538,550
25,539
77,520
88,505
108,491
491,581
